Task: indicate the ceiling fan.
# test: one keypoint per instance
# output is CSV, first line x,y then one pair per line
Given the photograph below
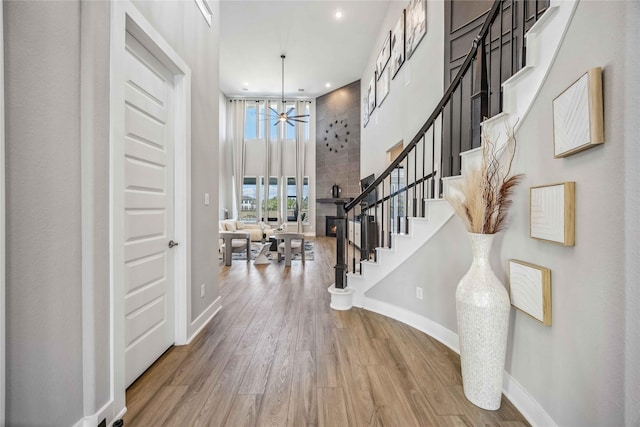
x,y
284,117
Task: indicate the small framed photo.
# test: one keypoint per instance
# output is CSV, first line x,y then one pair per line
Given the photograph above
x,y
578,121
416,24
384,55
397,46
530,290
552,213
365,111
384,83
371,94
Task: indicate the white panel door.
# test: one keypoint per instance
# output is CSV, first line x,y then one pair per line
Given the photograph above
x,y
148,209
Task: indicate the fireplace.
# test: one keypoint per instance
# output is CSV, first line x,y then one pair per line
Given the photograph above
x,y
331,226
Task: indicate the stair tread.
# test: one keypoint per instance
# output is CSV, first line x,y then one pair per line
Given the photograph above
x,y
542,20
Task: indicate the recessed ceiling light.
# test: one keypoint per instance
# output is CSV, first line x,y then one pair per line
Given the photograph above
x,y
327,85
338,14
246,83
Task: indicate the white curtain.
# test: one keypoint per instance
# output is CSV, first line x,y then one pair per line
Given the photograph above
x,y
236,137
300,156
267,124
282,185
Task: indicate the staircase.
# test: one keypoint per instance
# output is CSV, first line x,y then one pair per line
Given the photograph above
x,y
542,44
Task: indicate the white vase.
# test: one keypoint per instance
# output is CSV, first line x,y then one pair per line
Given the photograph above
x,y
482,306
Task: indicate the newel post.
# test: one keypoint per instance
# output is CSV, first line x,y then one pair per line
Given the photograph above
x,y
341,294
341,238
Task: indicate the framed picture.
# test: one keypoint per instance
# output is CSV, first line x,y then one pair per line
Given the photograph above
x,y
397,46
530,290
552,213
371,95
416,24
384,55
578,115
365,110
382,89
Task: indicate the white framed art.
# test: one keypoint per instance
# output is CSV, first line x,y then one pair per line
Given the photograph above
x,y
530,290
552,213
578,121
398,45
371,95
383,85
384,55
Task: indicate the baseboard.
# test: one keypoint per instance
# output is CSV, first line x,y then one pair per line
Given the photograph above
x,y
533,412
204,318
94,419
526,404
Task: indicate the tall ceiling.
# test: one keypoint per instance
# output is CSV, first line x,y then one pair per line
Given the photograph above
x,y
319,47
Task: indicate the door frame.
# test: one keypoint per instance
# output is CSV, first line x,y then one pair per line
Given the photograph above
x,y
3,272
126,18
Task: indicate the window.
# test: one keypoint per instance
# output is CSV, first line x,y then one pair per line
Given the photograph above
x,y
248,207
254,120
251,122
272,201
292,205
290,131
272,119
307,110
305,200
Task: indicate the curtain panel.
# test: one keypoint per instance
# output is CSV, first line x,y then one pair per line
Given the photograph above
x,y
236,138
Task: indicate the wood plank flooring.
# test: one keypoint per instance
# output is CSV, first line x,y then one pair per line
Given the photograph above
x,y
277,355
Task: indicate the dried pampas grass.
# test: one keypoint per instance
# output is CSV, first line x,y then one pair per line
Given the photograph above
x,y
483,197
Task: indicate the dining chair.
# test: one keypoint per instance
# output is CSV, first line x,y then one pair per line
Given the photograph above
x,y
289,243
234,241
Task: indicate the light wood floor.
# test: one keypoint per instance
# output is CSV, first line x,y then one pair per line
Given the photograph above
x,y
277,355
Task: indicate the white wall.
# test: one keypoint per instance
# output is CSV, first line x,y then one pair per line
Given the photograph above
x,y
413,94
574,369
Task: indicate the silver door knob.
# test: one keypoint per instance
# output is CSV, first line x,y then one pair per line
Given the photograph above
x,y
172,244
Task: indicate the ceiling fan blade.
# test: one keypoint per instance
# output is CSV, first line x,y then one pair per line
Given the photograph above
x,y
301,115
272,109
298,120
290,110
290,124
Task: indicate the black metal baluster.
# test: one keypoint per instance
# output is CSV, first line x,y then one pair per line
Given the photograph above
x,y
500,70
489,66
382,214
460,112
406,195
523,50
433,160
424,161
415,181
513,28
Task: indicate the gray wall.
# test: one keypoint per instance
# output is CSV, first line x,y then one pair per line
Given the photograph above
x,y
57,94
575,369
44,336
341,167
632,217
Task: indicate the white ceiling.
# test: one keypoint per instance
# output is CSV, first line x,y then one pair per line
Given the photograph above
x,y
319,48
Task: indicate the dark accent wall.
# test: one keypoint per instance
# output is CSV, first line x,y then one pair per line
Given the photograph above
x,y
337,158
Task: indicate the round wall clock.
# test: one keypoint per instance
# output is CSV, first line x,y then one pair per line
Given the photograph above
x,y
336,136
